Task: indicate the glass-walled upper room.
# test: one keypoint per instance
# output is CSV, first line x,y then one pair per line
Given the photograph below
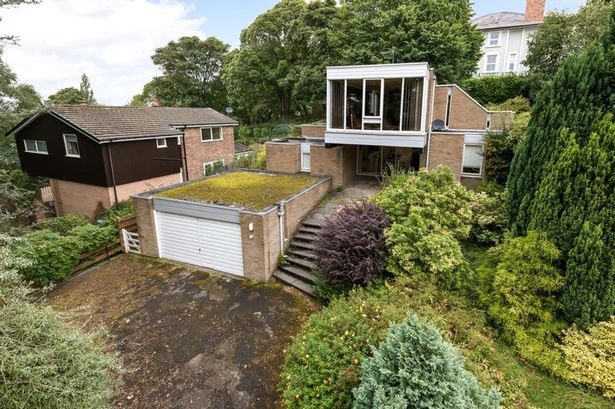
x,y
385,104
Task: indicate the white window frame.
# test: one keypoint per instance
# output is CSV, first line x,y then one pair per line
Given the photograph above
x,y
161,145
179,140
306,151
499,39
514,61
36,146
221,138
497,60
211,162
478,175
71,155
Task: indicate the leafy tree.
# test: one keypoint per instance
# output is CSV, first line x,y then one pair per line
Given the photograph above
x,y
564,34
439,32
281,61
66,96
190,74
87,94
500,148
8,38
415,368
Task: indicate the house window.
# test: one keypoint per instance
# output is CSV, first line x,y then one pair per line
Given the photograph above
x,y
213,167
35,146
412,104
472,160
372,97
71,146
492,63
211,134
354,104
161,143
512,62
337,104
305,157
494,39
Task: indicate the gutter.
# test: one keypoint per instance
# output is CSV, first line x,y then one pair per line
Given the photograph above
x,y
281,213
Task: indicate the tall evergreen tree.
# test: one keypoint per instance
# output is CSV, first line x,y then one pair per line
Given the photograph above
x,y
582,89
87,93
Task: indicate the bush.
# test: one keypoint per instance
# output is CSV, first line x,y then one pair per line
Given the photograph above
x,y
125,208
53,256
488,217
496,90
323,363
434,195
415,368
350,246
253,160
49,363
525,291
590,356
500,148
417,247
90,237
517,104
64,224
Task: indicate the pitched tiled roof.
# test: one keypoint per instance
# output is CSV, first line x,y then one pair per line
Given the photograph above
x,y
501,20
137,122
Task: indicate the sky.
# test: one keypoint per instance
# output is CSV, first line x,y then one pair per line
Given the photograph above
x,y
112,40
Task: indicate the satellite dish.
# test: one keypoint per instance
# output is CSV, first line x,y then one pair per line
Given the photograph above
x,y
438,125
229,110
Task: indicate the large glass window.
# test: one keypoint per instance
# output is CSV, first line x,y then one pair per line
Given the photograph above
x,y
413,104
372,97
472,160
354,104
392,104
337,104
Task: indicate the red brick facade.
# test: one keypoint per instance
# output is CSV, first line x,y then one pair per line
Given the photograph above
x,y
198,152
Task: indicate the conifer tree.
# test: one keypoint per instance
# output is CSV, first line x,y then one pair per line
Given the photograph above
x,y
583,88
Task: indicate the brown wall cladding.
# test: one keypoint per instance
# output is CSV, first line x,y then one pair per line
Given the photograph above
x,y
446,150
283,157
88,169
198,152
313,130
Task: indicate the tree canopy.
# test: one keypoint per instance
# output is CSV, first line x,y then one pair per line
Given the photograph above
x,y
73,96
190,74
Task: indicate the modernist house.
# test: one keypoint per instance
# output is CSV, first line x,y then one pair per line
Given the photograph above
x,y
391,114
507,36
95,156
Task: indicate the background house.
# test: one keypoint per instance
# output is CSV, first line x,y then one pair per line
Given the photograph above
x,y
95,156
507,35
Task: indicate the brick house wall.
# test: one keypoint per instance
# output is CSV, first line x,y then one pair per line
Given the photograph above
x,y
446,150
313,131
283,157
198,152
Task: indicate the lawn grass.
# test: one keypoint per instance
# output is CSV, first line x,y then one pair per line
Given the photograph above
x,y
251,190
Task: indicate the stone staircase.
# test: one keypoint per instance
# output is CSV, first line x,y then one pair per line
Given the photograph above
x,y
299,272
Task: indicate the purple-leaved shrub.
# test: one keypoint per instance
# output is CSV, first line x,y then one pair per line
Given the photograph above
x,y
351,245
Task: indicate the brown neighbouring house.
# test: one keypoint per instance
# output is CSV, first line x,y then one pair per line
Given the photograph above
x,y
96,156
390,114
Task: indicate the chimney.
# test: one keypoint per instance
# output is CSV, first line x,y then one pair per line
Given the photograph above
x,y
535,10
155,102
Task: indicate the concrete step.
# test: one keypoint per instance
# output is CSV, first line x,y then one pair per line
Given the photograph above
x,y
300,273
301,262
304,237
302,245
312,222
294,282
301,253
309,230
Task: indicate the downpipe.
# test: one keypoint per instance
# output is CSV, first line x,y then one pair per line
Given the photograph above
x,y
281,214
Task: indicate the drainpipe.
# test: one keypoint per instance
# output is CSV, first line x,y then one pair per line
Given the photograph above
x,y
112,173
281,214
184,156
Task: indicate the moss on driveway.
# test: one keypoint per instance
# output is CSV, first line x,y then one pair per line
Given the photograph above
x,y
188,339
252,190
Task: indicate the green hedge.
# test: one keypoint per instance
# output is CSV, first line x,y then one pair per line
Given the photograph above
x,y
496,89
90,237
64,224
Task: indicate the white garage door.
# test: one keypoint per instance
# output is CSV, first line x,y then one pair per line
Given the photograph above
x,y
207,243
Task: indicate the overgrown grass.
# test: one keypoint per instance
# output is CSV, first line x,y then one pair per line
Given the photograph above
x,y
254,191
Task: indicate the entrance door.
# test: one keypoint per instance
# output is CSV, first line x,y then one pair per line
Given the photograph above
x,y
369,160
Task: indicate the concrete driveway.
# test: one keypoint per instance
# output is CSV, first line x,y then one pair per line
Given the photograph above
x,y
188,339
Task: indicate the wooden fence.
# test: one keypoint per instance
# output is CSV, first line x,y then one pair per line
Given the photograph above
x,y
47,194
108,250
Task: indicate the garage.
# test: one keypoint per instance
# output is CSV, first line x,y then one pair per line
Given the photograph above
x,y
206,236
